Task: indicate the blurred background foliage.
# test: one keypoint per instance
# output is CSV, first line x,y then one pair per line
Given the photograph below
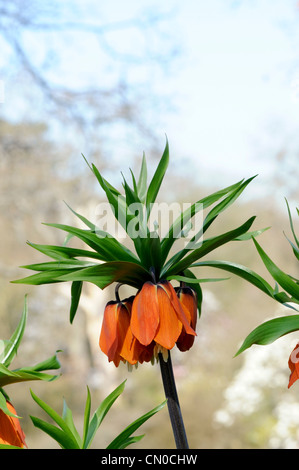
x,y
115,100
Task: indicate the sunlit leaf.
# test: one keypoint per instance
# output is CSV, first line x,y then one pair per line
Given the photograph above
x,y
189,213
241,271
123,439
100,414
157,179
108,247
283,279
4,407
270,331
190,280
291,223
67,416
11,346
66,440
105,274
142,181
206,247
8,377
64,437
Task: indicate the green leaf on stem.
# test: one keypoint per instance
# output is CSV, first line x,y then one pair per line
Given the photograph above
x,y
157,179
124,438
66,434
206,247
8,377
185,217
100,414
142,181
76,290
270,331
3,406
240,271
283,279
63,436
11,346
104,244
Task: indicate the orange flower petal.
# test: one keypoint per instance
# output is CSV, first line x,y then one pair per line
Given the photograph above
x,y
188,300
179,309
11,432
108,336
294,366
125,336
145,314
170,326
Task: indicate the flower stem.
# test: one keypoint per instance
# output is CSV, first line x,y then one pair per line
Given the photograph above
x,y
174,409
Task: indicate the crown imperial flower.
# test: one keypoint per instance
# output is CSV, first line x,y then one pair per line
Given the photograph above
x,y
138,328
11,432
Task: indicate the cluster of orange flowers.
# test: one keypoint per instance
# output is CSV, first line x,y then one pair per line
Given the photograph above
x,y
154,321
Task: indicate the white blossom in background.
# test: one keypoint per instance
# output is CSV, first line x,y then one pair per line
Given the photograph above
x,y
264,376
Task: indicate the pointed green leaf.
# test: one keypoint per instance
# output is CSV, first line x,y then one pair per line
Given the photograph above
x,y
152,247
291,224
270,331
206,247
64,439
131,196
190,280
69,441
104,244
122,440
241,271
116,200
86,418
249,235
45,277
157,179
107,273
76,290
189,213
64,252
101,412
4,408
12,345
228,201
283,279
67,416
59,265
142,181
8,377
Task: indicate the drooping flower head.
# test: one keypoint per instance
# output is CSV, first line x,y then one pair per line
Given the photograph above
x,y
157,315
153,321
116,338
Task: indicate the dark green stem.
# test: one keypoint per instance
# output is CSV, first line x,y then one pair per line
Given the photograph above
x,y
173,403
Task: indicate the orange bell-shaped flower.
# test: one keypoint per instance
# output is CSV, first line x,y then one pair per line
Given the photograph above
x,y
188,298
158,315
116,338
11,432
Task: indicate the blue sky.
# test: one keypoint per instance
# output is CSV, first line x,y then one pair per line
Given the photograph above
x,y
235,84
239,100
236,87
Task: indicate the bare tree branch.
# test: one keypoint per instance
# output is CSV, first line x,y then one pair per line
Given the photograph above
x,y
96,104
